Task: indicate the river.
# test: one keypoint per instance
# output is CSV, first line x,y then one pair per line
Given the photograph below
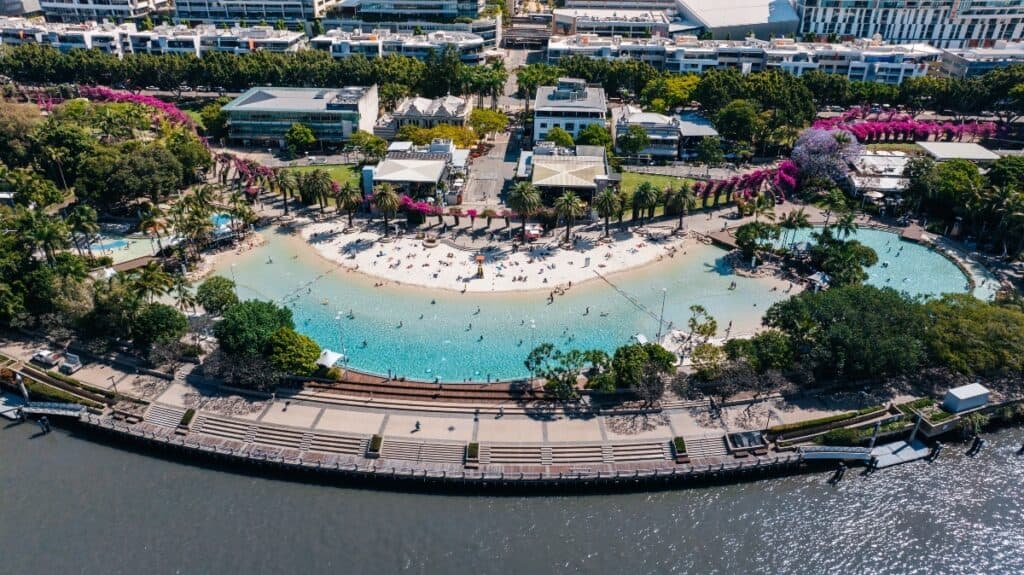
x,y
73,505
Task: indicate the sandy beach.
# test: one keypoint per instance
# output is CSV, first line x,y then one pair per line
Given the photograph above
x,y
540,266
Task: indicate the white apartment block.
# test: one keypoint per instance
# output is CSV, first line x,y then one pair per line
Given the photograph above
x,y
105,37
421,8
666,5
379,43
864,60
625,23
96,10
968,62
941,23
487,28
207,38
251,11
570,105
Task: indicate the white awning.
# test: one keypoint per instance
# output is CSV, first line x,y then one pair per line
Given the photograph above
x,y
329,358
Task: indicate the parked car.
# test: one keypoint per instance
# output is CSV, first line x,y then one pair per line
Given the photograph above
x,y
46,357
72,363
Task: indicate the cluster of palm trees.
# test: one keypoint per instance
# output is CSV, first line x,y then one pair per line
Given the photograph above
x,y
315,187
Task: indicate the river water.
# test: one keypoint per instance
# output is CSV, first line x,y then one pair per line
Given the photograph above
x,y
71,505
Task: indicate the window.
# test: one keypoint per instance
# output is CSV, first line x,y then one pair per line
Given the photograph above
x,y
570,127
543,124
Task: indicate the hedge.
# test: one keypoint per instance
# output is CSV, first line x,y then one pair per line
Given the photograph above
x,y
72,381
375,443
679,444
187,417
785,428
918,404
473,451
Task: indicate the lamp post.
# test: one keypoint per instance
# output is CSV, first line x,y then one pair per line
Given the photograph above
x,y
233,280
661,318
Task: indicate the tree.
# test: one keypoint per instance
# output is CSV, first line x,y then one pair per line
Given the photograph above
x,y
976,337
214,119
569,206
29,188
707,360
248,326
525,200
607,205
680,202
709,151
293,353
594,135
717,88
739,121
216,294
634,141
642,368
82,222
151,281
559,369
372,147
853,332
669,91
768,350
753,237
1007,171
158,323
645,198
349,198
486,121
701,323
559,137
387,202
299,137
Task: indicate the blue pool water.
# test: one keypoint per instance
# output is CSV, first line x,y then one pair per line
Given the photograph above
x,y
220,220
411,336
108,243
912,268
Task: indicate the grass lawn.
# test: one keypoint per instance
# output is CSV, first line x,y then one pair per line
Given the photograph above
x,y
340,173
907,147
630,181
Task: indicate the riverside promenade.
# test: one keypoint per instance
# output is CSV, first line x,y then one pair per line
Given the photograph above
x,y
449,440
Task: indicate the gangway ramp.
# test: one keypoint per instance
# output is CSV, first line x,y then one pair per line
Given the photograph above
x,y
835,453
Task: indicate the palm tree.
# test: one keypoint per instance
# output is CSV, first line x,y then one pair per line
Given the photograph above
x,y
682,201
316,187
153,222
82,221
286,182
644,199
152,281
525,200
847,225
834,201
349,198
607,205
183,295
386,200
793,221
43,233
764,207
570,207
241,211
202,200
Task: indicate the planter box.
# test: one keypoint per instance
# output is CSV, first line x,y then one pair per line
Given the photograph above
x,y
373,447
472,456
682,458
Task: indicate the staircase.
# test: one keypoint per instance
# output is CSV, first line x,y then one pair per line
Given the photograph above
x,y
226,428
706,446
653,451
422,451
509,454
341,444
163,415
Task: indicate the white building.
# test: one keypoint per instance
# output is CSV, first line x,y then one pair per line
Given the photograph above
x,y
18,7
571,105
96,10
235,11
264,115
728,19
421,8
202,39
864,60
625,23
662,132
670,6
942,23
968,62
424,113
380,43
105,37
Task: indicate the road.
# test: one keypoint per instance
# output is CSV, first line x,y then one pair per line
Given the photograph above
x,y
489,174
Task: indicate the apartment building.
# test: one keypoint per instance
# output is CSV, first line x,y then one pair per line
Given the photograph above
x,y
207,38
251,11
941,23
379,43
264,115
570,105
97,10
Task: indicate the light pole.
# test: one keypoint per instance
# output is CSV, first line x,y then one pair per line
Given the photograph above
x,y
661,318
233,280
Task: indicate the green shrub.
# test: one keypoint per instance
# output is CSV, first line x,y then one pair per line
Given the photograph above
x,y
841,436
785,428
679,444
83,386
473,451
187,418
335,373
918,404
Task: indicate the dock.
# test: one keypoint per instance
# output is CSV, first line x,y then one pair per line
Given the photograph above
x,y
899,452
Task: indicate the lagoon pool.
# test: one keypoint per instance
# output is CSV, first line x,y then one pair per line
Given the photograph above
x,y
422,333
905,266
220,220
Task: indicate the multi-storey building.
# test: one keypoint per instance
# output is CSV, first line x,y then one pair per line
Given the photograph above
x,y
421,8
625,23
666,5
384,43
487,28
968,62
570,105
105,37
942,23
863,60
424,113
251,11
18,7
264,115
662,131
202,39
97,10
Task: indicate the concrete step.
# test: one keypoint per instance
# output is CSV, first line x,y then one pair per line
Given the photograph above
x,y
163,415
348,445
706,446
422,451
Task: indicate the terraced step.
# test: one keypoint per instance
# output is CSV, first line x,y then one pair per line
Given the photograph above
x,y
706,446
422,451
510,454
346,445
641,451
561,454
226,428
163,415
279,437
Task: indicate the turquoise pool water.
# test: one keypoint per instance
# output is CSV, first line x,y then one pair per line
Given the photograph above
x,y
106,243
220,220
905,266
423,334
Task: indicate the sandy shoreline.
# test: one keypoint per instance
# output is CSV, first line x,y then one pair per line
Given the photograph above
x,y
543,266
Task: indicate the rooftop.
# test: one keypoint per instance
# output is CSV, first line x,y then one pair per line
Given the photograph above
x,y
445,107
598,15
570,94
291,99
399,167
560,170
958,151
732,13
692,124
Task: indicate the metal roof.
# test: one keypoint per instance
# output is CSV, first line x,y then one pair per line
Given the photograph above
x,y
958,151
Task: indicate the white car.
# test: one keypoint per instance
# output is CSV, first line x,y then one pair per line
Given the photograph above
x,y
47,357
